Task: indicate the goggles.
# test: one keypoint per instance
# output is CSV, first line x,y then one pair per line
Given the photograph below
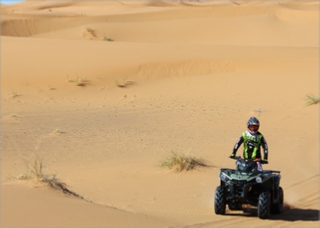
x,y
253,127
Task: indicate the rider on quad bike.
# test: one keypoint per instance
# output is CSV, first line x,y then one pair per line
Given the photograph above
x,y
252,140
248,184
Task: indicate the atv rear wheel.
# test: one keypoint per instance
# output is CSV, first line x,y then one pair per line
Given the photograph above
x,y
277,208
220,201
264,205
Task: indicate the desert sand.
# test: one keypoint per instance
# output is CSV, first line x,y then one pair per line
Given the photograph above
x,y
103,91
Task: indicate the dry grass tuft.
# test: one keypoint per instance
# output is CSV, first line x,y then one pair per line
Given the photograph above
x,y
14,115
14,94
312,100
91,32
124,83
35,171
79,81
57,131
182,162
106,38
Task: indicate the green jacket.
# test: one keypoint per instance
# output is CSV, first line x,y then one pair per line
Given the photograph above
x,y
252,145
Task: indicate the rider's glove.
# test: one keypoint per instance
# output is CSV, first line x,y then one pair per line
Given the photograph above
x,y
232,156
264,161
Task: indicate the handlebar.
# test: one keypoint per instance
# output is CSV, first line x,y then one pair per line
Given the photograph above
x,y
236,157
255,160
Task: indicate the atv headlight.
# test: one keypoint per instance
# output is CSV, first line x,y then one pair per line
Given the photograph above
x,y
259,180
224,177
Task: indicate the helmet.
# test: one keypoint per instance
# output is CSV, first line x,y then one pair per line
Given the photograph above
x,y
253,125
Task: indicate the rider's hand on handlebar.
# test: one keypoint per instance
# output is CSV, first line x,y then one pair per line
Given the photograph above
x,y
264,161
232,156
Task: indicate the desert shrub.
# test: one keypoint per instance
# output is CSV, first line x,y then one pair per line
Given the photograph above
x,y
106,38
312,100
35,171
14,94
91,31
124,83
182,162
79,81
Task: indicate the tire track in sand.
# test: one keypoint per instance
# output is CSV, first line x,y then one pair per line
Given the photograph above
x,y
303,182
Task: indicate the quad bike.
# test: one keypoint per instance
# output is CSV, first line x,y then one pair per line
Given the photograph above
x,y
246,185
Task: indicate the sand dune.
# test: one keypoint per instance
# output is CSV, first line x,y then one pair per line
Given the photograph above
x,y
192,72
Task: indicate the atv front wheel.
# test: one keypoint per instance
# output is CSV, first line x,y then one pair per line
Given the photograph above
x,y
277,208
220,201
264,205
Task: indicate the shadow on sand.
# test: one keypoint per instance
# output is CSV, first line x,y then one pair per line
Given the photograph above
x,y
297,214
291,215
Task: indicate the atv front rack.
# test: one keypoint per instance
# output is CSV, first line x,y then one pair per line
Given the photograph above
x,y
270,171
263,171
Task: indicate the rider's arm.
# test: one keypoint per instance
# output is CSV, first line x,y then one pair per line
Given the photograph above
x,y
265,148
238,144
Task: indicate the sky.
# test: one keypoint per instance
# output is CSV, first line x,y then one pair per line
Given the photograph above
x,y
10,1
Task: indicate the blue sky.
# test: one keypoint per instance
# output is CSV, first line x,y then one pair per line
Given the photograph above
x,y
10,1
